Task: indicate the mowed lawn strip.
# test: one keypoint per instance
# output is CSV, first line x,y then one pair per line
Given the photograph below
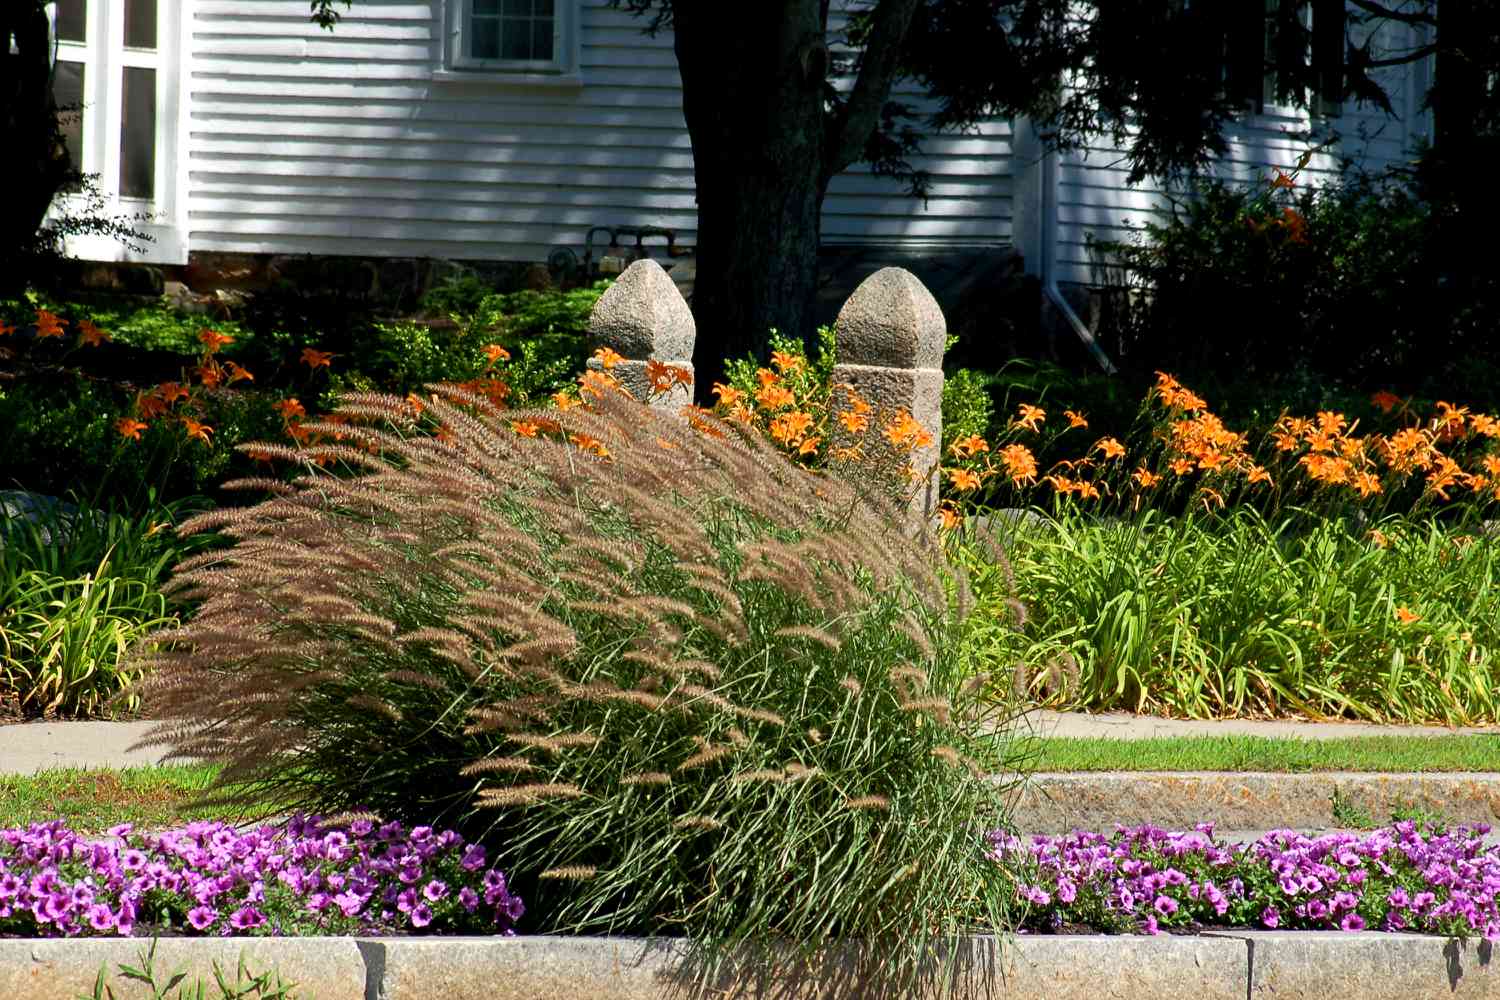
x,y
1392,754
93,800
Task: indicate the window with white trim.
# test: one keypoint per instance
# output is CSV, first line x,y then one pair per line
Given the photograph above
x,y
533,40
116,66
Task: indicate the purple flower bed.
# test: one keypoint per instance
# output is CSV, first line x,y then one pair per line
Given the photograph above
x,y
308,877
1404,877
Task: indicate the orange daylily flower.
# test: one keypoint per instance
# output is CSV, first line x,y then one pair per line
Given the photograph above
x,y
969,446
904,431
1367,483
774,397
1181,466
49,324
237,373
1076,419
587,443
525,428
1030,417
1379,538
1112,449
210,374
6,329
91,335
129,428
1145,477
196,429
212,340
787,364
171,392
1385,401
1484,424
951,518
316,359
1406,616
728,395
1020,463
1282,180
565,402
789,428
1256,474
291,409
494,353
607,357
962,479
809,445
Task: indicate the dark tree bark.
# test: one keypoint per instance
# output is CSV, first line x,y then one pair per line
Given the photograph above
x,y
38,162
753,102
765,145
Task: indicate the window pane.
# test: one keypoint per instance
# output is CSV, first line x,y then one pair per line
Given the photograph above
x,y
485,39
138,133
486,6
541,39
72,20
140,24
515,8
67,91
515,39
542,8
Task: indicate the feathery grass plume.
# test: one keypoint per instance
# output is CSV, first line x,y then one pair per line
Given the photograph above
x,y
648,778
878,802
564,736
570,873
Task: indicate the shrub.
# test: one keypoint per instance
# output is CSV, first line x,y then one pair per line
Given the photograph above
x,y
1307,286
685,685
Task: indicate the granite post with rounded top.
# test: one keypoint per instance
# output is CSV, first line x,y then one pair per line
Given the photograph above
x,y
891,333
644,318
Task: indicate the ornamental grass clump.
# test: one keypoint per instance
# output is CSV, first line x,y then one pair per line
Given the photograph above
x,y
681,684
1409,876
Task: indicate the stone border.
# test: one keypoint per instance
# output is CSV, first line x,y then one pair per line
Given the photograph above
x,y
1219,965
1176,800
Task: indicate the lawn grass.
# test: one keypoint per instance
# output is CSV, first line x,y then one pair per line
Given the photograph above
x,y
93,800
1259,753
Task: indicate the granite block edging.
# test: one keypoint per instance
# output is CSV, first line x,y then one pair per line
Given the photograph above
x,y
1177,800
1216,965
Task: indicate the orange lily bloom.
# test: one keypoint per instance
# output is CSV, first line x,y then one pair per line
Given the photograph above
x,y
1030,417
130,428
49,324
213,340
316,359
290,409
197,430
91,335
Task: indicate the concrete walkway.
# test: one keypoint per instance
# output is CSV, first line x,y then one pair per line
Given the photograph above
x,y
29,747
26,748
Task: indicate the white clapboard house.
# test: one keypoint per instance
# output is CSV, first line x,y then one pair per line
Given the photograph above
x,y
499,130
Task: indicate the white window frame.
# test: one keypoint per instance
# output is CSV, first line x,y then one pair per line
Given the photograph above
x,y
1318,107
562,70
105,57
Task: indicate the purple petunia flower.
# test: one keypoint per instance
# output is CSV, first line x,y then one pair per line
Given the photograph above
x,y
421,916
245,918
435,890
202,917
1352,922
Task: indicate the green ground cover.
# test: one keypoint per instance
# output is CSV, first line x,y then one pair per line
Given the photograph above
x,y
93,800
1378,754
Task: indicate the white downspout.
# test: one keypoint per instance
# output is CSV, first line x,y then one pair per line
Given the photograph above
x,y
1049,199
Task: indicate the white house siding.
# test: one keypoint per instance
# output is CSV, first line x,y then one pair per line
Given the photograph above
x,y
1094,200
308,141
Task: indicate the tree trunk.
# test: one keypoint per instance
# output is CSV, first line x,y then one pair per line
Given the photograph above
x,y
753,101
39,165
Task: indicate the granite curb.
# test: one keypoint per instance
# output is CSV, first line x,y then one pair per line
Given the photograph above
x,y
1219,965
1178,800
